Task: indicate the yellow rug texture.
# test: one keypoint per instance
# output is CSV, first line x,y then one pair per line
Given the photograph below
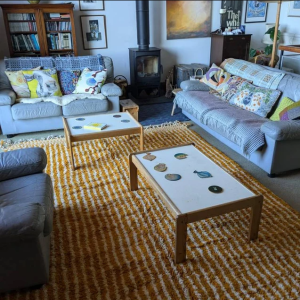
x,y
110,243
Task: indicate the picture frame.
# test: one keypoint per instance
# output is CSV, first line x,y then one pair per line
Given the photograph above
x,y
91,5
233,16
294,9
93,28
256,12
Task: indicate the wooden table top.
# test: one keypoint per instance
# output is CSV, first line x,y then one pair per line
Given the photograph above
x,y
291,48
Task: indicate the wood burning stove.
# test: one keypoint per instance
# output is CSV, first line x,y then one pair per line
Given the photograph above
x,y
145,64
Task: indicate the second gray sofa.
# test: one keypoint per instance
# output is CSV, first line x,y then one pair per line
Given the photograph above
x,y
23,117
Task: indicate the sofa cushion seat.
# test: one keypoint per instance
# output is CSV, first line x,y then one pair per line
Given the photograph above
x,y
85,106
26,111
36,188
238,125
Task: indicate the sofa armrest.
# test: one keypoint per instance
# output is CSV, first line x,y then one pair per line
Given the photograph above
x,y
193,85
7,97
21,221
22,162
282,130
111,89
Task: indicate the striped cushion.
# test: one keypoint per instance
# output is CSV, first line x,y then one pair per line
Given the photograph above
x,y
292,112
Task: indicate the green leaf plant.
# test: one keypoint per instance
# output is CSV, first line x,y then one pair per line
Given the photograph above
x,y
271,32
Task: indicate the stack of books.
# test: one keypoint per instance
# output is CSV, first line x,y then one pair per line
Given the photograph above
x,y
22,26
95,126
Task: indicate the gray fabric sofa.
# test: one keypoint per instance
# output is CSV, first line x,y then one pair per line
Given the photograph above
x,y
26,217
274,146
20,117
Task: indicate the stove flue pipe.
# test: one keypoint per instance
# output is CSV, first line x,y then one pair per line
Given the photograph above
x,y
142,24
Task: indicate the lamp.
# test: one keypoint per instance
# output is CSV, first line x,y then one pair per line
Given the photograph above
x,y
276,27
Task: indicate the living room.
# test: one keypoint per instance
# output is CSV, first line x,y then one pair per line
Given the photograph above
x,y
99,196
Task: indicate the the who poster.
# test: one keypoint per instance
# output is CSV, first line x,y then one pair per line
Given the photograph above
x,y
232,17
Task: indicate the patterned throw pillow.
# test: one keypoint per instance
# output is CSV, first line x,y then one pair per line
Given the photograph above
x,y
232,87
90,82
292,112
216,78
284,103
42,83
255,99
19,83
68,81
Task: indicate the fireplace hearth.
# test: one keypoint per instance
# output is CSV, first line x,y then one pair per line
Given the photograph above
x,y
145,64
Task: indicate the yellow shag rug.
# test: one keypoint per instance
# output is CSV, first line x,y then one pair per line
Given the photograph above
x,y
110,243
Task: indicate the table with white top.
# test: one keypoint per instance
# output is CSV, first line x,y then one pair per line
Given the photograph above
x,y
74,131
189,199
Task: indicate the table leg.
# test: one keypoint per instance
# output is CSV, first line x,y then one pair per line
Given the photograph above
x,y
255,218
142,139
133,175
72,157
173,109
280,59
180,239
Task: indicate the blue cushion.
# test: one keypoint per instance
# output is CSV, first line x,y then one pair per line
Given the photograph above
x,y
68,80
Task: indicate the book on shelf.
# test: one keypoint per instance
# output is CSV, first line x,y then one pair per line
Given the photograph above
x,y
20,17
95,126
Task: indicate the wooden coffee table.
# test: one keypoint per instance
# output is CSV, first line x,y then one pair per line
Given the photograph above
x,y
189,199
115,127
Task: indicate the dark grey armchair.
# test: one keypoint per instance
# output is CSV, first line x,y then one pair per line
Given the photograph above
x,y
26,217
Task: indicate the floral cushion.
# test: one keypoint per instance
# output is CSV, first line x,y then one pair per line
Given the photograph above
x,y
292,112
255,99
284,103
90,81
19,83
42,83
68,81
216,78
232,86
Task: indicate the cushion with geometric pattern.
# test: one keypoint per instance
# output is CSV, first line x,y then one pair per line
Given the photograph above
x,y
292,112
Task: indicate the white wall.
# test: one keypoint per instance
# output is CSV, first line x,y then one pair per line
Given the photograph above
x,y
121,35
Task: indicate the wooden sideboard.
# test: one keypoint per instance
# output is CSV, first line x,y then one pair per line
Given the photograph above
x,y
229,46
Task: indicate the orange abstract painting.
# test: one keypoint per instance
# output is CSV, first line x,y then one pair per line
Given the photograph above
x,y
188,19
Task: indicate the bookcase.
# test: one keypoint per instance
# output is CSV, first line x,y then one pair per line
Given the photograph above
x,y
40,29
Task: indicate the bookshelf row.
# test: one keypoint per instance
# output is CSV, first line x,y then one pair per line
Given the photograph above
x,y
21,17
58,26
22,26
59,41
25,42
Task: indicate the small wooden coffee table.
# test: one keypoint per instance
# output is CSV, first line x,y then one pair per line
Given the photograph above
x,y
125,124
189,199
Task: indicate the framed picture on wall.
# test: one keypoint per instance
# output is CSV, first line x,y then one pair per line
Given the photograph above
x,y
294,9
91,4
233,16
93,32
256,12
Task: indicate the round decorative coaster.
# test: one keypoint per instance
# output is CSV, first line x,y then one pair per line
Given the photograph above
x,y
173,177
203,174
117,116
77,127
160,167
149,156
80,119
125,121
215,189
180,155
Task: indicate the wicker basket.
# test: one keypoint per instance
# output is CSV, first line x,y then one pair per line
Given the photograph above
x,y
197,77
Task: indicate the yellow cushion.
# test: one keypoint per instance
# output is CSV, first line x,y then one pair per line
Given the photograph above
x,y
42,83
19,83
285,102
